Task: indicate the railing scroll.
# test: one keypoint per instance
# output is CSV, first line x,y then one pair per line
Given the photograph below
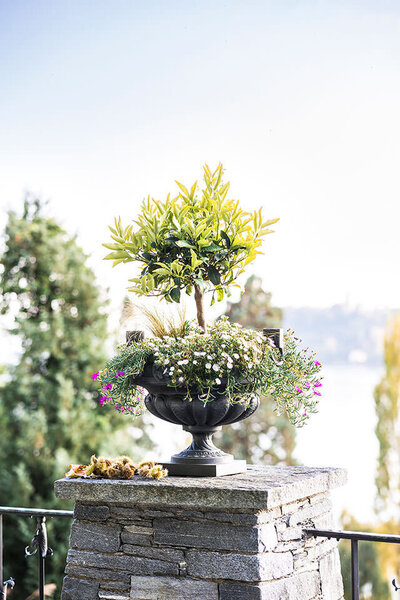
x,y
38,543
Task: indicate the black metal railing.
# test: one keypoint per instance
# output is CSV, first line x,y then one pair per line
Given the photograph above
x,y
38,543
40,546
355,537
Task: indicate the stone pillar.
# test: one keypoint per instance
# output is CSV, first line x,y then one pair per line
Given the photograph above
x,y
238,537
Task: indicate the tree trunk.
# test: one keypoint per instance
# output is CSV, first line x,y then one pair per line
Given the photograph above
x,y
199,299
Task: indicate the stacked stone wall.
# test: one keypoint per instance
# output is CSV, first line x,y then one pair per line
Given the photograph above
x,y
129,551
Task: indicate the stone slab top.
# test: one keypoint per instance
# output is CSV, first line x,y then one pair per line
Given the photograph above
x,y
260,488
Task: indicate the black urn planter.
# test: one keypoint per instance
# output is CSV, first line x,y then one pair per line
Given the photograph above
x,y
202,458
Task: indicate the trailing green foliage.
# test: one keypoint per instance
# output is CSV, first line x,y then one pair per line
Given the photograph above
x,y
199,240
228,360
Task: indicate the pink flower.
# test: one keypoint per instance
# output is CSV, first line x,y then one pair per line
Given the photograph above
x,y
307,385
103,399
317,393
121,373
95,375
318,364
317,384
108,386
299,390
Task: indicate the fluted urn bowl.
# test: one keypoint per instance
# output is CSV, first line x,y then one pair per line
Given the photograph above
x,y
202,457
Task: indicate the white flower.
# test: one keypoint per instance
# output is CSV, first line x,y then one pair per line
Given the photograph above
x,y
197,353
218,381
180,362
209,356
216,367
246,357
230,366
185,362
208,366
166,361
250,365
236,355
194,362
181,379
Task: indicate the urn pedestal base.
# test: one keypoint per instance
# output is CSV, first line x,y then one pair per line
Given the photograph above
x,y
202,458
205,470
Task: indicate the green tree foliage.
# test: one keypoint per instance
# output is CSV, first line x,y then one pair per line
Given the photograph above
x,y
265,437
198,241
387,407
372,582
254,309
48,409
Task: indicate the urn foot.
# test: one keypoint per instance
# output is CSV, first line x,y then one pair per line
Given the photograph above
x,y
205,470
202,458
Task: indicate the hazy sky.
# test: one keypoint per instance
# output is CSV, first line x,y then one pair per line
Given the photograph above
x,y
102,103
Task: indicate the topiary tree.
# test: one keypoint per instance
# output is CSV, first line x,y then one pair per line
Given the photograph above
x,y
198,241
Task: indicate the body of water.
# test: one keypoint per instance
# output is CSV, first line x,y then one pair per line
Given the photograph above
x,y
342,434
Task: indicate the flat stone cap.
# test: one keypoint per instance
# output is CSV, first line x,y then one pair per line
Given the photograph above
x,y
261,488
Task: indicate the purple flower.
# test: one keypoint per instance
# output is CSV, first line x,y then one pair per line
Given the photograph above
x,y
95,375
317,384
299,390
121,373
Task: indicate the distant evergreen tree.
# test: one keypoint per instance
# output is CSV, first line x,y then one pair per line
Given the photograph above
x,y
265,437
387,407
48,410
254,309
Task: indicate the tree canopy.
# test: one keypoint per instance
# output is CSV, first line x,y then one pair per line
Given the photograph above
x,y
48,407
